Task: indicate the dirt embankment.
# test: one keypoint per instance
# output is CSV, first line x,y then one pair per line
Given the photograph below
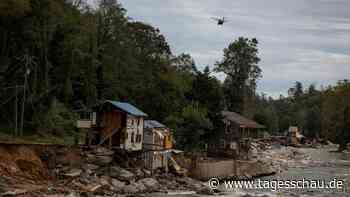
x,y
30,167
22,162
39,170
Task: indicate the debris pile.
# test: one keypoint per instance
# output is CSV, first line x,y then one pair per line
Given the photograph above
x,y
92,172
276,155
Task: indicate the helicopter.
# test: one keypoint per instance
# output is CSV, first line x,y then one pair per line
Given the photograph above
x,y
220,21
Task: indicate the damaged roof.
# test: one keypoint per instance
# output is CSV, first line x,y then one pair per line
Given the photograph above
x,y
150,124
241,120
128,108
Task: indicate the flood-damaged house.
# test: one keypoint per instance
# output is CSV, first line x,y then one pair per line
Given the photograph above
x,y
117,125
157,144
294,137
237,135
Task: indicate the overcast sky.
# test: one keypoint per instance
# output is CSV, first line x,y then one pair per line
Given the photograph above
x,y
300,40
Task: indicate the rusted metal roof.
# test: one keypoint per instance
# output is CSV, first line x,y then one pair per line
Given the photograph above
x,y
128,108
241,120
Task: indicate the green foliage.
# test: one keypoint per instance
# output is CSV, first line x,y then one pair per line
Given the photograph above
x,y
81,55
78,55
17,8
267,116
240,65
57,120
189,128
317,113
335,111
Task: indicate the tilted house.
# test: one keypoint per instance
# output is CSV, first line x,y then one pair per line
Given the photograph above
x,y
118,125
157,142
237,133
239,127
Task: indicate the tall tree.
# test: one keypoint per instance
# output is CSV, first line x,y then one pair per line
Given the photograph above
x,y
240,64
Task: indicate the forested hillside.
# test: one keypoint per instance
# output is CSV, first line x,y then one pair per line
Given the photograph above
x,y
318,113
60,56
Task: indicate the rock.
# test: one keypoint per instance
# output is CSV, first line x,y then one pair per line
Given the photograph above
x,y
205,191
93,187
121,174
117,185
73,173
103,160
72,195
89,167
138,173
15,192
85,178
150,183
133,188
104,180
102,151
147,173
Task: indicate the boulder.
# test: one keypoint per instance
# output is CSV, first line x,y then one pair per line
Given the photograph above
x,y
102,151
133,188
139,173
90,167
121,174
150,183
117,185
103,160
147,173
73,173
105,181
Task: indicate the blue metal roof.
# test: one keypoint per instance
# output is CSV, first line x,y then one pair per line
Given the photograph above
x,y
128,108
150,124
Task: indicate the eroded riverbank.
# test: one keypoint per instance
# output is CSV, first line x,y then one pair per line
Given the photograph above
x,y
93,173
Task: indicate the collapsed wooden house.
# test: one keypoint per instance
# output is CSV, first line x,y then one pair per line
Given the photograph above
x,y
157,144
238,133
294,137
117,125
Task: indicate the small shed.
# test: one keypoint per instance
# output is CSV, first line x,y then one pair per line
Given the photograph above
x,y
157,142
119,125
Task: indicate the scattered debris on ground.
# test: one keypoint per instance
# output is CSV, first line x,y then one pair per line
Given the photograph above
x,y
90,172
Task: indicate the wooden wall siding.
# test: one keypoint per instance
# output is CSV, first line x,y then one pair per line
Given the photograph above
x,y
234,132
158,140
148,139
168,141
134,133
153,141
110,120
155,159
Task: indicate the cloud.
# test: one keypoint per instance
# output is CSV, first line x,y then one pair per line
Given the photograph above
x,y
300,40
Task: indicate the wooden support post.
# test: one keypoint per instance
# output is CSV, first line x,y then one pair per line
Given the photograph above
x,y
110,142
